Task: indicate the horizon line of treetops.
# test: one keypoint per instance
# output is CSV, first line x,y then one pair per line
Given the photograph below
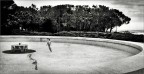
x,y
60,18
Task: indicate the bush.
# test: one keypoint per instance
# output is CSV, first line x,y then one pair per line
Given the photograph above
x,y
118,36
127,37
15,32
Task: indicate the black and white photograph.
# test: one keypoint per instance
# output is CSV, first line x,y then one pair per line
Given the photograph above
x,y
71,36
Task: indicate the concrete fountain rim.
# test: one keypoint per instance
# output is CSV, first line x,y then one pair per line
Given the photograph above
x,y
125,65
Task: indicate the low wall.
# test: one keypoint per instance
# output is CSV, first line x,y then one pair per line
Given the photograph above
x,y
125,65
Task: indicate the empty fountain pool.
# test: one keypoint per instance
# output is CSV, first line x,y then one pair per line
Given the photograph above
x,y
71,55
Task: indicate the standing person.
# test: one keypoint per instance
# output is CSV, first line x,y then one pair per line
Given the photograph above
x,y
49,44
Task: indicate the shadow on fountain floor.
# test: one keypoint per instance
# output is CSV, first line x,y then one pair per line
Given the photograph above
x,y
18,52
140,71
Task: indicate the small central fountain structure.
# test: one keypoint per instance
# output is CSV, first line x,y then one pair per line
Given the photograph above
x,y
19,47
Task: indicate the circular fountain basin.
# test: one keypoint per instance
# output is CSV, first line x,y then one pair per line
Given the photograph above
x,y
72,55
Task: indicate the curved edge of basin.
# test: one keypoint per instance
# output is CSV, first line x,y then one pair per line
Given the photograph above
x,y
124,65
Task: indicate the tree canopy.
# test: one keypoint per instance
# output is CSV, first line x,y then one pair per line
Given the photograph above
x,y
60,18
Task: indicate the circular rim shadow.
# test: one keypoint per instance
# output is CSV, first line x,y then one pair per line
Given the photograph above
x,y
18,52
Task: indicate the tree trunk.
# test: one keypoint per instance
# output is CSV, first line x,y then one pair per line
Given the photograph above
x,y
111,29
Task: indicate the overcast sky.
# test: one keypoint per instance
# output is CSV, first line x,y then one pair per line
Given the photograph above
x,y
131,8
